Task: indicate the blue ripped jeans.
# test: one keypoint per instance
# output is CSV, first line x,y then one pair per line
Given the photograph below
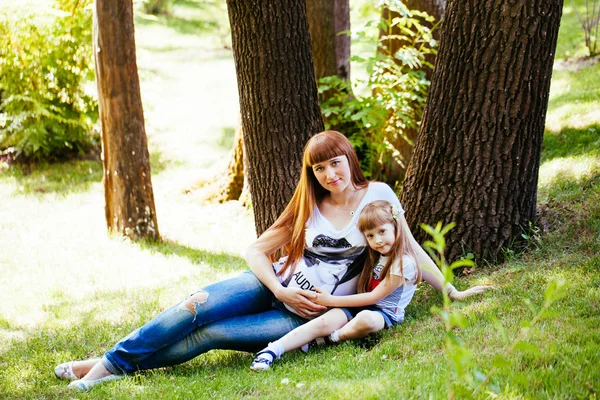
x,y
238,314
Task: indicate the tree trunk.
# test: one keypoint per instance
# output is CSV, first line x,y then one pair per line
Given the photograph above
x,y
321,24
477,159
341,23
127,182
233,182
393,170
331,52
278,97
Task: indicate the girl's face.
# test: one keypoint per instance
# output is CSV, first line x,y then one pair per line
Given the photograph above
x,y
334,174
381,239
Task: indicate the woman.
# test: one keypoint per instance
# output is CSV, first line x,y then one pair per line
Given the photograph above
x,y
324,249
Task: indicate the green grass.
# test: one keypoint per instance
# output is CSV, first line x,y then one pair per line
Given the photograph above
x,y
69,291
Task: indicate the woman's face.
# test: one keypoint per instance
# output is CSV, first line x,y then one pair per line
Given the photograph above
x,y
334,174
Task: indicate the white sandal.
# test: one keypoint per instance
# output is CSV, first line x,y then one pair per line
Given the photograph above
x,y
65,371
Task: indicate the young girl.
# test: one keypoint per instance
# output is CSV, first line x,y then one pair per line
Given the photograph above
x,y
386,286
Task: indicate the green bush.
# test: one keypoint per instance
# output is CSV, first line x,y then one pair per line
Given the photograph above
x,y
45,61
397,86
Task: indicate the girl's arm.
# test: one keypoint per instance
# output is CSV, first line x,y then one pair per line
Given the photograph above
x,y
257,257
384,289
432,274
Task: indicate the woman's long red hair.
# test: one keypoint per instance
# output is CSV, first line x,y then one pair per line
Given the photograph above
x,y
309,192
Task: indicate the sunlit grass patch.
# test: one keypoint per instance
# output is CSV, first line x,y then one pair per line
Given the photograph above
x,y
574,99
566,179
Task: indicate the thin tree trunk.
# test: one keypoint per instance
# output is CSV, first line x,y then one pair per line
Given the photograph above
x,y
477,159
321,23
393,170
233,182
278,97
341,23
128,191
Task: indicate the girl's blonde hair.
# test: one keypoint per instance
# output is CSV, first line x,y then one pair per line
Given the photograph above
x,y
321,147
374,215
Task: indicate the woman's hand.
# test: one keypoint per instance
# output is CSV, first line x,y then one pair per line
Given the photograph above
x,y
300,300
323,298
461,295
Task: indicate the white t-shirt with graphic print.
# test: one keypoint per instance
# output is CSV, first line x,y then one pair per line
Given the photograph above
x,y
333,258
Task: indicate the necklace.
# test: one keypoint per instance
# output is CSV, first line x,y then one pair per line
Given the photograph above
x,y
347,209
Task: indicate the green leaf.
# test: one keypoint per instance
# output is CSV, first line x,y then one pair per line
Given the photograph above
x,y
500,362
528,348
462,263
457,319
555,291
500,329
526,324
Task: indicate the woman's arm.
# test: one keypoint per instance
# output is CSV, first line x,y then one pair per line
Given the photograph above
x,y
257,257
384,289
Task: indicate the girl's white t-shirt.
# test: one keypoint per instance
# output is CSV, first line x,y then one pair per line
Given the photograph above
x,y
333,259
394,304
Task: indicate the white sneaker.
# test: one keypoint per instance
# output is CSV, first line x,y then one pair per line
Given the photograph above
x,y
263,363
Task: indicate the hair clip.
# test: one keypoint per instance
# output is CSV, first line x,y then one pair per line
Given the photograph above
x,y
395,213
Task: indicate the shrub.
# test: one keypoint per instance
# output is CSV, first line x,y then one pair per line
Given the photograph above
x,y
590,22
398,88
45,113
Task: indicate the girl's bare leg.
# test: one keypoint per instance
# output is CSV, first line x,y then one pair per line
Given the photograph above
x,y
321,326
364,323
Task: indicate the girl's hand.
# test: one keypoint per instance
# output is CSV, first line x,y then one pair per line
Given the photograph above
x,y
323,298
461,295
300,300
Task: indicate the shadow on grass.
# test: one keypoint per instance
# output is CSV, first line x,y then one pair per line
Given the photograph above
x,y
219,262
63,178
571,142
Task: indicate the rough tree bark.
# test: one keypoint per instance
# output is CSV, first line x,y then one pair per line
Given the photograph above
x,y
477,158
128,191
395,171
278,97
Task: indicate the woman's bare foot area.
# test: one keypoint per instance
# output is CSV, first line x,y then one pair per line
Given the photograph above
x,y
96,372
82,368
